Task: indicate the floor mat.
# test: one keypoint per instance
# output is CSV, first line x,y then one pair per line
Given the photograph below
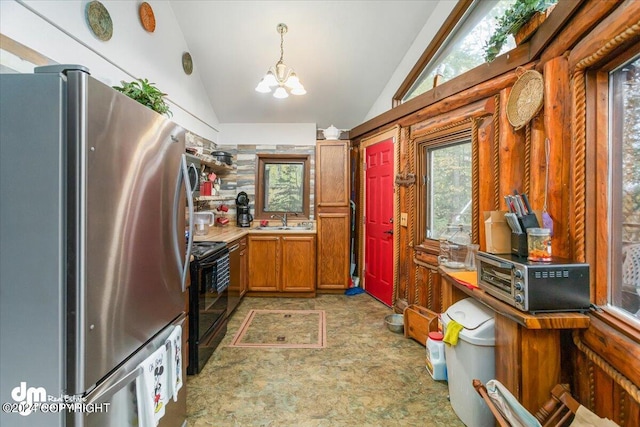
x,y
282,329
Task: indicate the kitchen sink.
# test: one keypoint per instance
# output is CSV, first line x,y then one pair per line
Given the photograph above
x,y
301,227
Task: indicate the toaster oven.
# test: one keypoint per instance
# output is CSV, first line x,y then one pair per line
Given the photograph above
x,y
559,285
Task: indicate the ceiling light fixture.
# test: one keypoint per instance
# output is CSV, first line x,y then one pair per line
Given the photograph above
x,y
283,78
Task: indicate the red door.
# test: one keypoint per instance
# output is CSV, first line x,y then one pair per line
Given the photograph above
x,y
378,258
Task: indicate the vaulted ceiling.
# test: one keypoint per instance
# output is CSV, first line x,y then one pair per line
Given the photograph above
x,y
344,53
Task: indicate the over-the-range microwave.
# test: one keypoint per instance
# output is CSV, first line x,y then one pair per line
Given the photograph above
x,y
555,286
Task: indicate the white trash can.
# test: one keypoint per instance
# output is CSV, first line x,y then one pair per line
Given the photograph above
x,y
472,357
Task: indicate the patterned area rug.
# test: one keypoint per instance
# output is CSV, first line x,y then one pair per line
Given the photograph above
x,y
282,329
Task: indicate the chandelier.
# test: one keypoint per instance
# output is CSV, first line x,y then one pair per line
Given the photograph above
x,y
281,77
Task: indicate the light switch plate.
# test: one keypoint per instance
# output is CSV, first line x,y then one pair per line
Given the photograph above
x,y
403,219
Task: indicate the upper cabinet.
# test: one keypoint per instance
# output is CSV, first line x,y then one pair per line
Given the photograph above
x,y
332,173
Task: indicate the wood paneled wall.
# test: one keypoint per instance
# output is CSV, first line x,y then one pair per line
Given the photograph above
x,y
515,160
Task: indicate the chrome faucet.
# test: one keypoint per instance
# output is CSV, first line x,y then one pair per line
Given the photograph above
x,y
283,218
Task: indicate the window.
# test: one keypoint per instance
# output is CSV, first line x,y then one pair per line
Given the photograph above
x,y
448,189
463,49
282,185
624,146
446,193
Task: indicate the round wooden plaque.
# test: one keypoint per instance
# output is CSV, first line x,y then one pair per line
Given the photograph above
x,y
99,20
147,18
187,63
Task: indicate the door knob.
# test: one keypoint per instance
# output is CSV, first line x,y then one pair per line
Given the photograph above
x,y
389,232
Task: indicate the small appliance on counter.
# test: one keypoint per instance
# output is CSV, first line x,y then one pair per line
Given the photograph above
x,y
202,221
558,285
243,216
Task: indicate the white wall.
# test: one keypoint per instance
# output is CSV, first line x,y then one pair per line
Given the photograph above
x,y
59,31
267,134
428,32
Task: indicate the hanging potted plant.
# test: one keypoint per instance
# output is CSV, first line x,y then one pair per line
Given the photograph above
x,y
146,94
515,22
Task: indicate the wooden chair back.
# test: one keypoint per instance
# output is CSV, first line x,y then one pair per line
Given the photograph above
x,y
558,411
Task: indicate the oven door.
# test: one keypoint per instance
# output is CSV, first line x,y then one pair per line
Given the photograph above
x,y
495,277
208,309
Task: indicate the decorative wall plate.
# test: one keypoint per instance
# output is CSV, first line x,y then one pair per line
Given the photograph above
x,y
525,99
99,20
147,18
187,63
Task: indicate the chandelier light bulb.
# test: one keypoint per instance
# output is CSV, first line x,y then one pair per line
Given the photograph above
x,y
270,79
263,87
281,77
280,93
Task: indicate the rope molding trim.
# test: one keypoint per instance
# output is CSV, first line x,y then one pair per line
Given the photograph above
x,y
527,158
496,152
620,379
579,132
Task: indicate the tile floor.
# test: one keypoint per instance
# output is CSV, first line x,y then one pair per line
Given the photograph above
x,y
366,376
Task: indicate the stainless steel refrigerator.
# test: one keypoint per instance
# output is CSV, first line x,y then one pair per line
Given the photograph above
x,y
93,257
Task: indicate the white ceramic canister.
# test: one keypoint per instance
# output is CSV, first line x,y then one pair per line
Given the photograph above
x,y
435,362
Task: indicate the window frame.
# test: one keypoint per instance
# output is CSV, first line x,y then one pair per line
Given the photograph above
x,y
261,160
600,194
438,40
443,135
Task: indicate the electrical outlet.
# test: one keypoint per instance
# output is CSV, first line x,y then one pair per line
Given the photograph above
x,y
403,219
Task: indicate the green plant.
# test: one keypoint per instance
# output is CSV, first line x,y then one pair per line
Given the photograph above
x,y
146,94
512,20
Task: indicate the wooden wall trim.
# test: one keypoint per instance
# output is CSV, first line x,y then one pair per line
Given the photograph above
x,y
615,28
475,183
470,83
547,35
609,369
393,133
496,152
584,56
588,16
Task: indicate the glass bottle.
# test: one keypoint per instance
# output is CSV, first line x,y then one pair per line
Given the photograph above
x,y
470,260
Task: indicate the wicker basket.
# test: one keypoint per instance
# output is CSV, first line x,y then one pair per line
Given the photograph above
x,y
525,99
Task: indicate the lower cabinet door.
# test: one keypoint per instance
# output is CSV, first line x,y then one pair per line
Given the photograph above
x,y
298,263
333,249
264,271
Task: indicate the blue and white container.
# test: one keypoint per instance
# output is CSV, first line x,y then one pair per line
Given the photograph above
x,y
436,365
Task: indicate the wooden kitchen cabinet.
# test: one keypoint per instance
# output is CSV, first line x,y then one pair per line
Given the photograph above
x,y
298,263
332,174
333,214
264,263
282,264
333,249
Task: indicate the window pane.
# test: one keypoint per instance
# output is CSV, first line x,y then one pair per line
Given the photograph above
x,y
449,189
284,185
625,143
464,49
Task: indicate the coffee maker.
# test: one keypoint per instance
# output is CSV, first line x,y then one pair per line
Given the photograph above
x,y
243,216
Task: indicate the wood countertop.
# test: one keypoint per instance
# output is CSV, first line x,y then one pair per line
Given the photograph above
x,y
230,233
566,320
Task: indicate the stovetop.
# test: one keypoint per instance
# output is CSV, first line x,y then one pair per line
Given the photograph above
x,y
200,250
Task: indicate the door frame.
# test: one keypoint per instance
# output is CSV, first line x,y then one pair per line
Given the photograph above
x,y
394,134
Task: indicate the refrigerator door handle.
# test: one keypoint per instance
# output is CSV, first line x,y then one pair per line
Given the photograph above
x,y
105,395
184,177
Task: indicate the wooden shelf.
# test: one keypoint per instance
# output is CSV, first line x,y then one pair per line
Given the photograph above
x,y
217,167
214,198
